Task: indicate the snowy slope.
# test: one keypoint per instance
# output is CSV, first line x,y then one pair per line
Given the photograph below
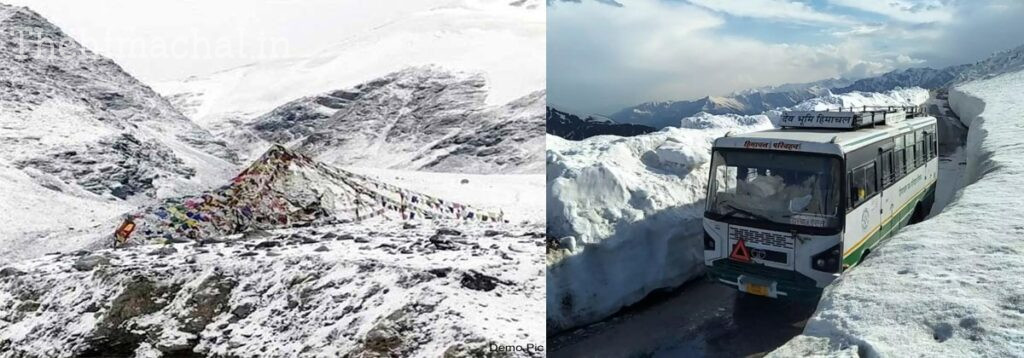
x,y
30,205
517,195
626,211
504,40
425,290
286,189
81,140
421,118
71,113
951,286
293,257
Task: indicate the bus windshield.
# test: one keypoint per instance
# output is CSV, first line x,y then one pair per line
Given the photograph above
x,y
789,188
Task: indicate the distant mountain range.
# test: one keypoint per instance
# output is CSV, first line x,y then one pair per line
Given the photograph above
x,y
669,113
572,127
1001,62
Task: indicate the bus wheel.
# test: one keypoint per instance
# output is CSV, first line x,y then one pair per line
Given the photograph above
x,y
863,256
918,215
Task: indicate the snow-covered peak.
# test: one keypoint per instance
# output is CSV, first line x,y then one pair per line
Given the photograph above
x,y
422,118
1006,61
502,40
77,116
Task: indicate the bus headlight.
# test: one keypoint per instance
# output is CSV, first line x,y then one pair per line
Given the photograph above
x,y
828,260
709,243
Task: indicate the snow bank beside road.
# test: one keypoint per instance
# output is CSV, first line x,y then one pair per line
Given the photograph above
x,y
954,285
626,209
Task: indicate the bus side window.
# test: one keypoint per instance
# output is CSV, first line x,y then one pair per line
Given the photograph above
x,y
924,148
886,157
929,153
908,141
899,168
862,184
871,178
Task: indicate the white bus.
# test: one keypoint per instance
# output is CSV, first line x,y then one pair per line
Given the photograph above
x,y
788,210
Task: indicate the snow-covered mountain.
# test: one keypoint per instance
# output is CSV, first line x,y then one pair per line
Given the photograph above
x,y
421,118
504,40
1011,60
929,78
69,113
669,113
82,141
572,127
753,101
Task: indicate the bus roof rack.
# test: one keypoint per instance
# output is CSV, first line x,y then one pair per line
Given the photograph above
x,y
849,117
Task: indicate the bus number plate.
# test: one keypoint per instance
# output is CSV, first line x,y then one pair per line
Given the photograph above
x,y
759,290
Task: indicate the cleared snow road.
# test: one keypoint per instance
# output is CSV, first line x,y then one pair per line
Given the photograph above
x,y
700,318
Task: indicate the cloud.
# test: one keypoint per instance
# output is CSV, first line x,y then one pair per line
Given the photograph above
x,y
601,59
775,10
606,2
911,11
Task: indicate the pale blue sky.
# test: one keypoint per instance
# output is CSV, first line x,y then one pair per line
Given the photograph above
x,y
602,58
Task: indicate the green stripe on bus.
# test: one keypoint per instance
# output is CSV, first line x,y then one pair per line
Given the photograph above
x,y
888,229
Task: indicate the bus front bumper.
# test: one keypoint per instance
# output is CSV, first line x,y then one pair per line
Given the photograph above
x,y
764,281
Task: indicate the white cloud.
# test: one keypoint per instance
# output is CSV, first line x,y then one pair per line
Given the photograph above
x,y
601,59
911,11
777,10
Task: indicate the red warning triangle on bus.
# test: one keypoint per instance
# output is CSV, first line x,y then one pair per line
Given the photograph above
x,y
740,252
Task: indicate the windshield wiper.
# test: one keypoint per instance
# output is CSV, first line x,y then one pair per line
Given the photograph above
x,y
745,212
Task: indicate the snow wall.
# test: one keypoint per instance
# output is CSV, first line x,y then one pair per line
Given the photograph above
x,y
627,210
953,285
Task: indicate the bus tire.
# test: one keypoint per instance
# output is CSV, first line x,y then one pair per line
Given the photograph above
x,y
864,256
918,215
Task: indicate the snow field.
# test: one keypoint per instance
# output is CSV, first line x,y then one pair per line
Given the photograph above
x,y
954,285
518,195
324,292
